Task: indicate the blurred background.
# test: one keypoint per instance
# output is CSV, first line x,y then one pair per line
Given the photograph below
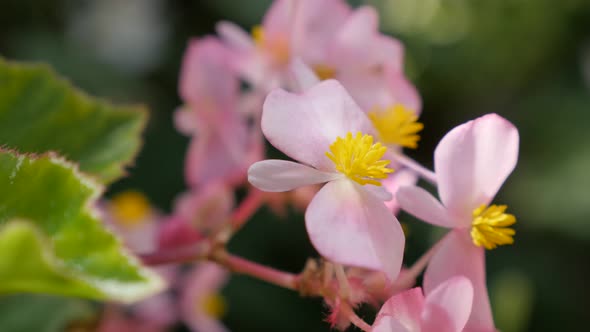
x,y
528,60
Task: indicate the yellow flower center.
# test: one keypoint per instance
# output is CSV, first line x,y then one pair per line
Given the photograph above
x,y
359,159
130,208
213,305
397,125
276,46
490,226
324,72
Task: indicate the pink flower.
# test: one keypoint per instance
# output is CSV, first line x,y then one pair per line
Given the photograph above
x,y
471,163
327,132
445,309
223,146
345,45
207,209
201,304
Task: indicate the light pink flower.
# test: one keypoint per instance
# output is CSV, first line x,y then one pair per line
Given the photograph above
x,y
445,309
471,163
207,209
334,40
223,145
201,304
176,231
329,135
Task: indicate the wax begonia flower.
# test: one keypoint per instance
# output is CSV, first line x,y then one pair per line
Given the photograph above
x,y
223,145
326,131
445,309
130,215
345,45
471,163
207,209
201,304
176,231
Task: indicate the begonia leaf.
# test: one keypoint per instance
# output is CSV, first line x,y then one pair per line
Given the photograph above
x,y
51,240
41,112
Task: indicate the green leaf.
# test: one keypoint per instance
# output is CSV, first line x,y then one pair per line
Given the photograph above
x,y
40,112
41,313
51,240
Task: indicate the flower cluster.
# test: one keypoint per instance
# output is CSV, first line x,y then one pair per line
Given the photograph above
x,y
328,90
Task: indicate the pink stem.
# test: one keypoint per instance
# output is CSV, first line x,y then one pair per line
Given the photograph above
x,y
178,255
407,279
356,320
424,172
265,273
247,208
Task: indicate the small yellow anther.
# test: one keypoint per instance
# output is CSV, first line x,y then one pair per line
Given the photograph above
x,y
130,208
397,125
490,226
324,72
359,159
213,305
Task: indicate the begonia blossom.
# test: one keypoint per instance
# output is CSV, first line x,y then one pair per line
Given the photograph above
x,y
201,304
223,145
345,45
444,309
471,163
331,137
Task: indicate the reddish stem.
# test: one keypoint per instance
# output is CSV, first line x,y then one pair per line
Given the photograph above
x,y
184,254
355,319
243,266
247,208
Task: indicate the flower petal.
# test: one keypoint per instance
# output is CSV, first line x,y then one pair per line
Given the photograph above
x,y
457,256
350,226
401,178
281,175
207,81
405,307
422,205
448,306
303,76
234,36
304,126
389,324
313,28
205,279
472,161
221,151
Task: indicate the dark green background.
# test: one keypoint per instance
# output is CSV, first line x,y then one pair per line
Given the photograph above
x,y
528,60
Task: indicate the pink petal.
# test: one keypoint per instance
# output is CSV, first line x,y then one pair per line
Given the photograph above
x,y
234,36
354,40
472,161
278,20
394,182
206,79
175,231
303,76
405,308
206,209
221,152
374,89
389,324
350,226
185,121
281,175
316,23
158,310
422,205
304,126
458,256
448,306
203,280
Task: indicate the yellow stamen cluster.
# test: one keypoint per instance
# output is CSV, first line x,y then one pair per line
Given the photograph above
x,y
213,305
324,72
359,159
130,208
397,125
490,226
276,46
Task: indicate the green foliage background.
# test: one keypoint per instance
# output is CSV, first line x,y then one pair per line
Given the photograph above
x,y
528,60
